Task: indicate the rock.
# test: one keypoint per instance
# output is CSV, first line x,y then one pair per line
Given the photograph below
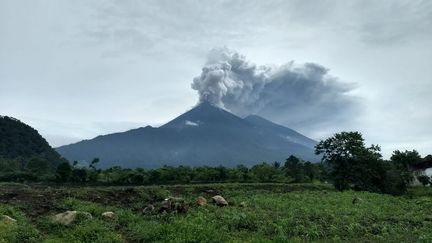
x,y
65,218
149,209
219,200
8,219
243,204
173,204
356,200
108,215
201,201
69,217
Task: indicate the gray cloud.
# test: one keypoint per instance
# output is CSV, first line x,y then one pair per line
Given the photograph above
x,y
152,26
298,95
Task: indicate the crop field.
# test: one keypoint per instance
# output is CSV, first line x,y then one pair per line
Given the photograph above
x,y
255,213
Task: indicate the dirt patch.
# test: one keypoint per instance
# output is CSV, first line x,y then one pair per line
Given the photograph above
x,y
32,202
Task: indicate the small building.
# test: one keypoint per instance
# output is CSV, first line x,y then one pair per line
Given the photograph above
x,y
423,168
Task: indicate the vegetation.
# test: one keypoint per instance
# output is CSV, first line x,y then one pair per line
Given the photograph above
x,y
352,165
256,213
294,170
24,153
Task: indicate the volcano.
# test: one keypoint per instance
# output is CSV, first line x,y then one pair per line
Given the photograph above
x,y
204,135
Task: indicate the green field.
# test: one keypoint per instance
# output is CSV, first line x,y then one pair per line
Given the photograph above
x,y
273,212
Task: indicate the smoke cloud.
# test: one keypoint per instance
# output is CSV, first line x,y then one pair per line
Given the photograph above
x,y
299,95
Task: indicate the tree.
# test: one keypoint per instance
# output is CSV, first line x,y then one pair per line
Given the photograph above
x,y
403,161
293,168
93,173
63,172
93,163
351,163
406,158
276,164
312,171
239,174
264,172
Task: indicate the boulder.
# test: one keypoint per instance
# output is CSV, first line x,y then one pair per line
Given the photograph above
x,y
201,201
108,215
8,219
243,204
219,200
69,217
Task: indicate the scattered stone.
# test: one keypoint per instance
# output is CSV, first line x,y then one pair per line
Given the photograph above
x,y
69,217
219,200
201,201
243,204
356,200
108,215
65,218
149,209
8,219
173,204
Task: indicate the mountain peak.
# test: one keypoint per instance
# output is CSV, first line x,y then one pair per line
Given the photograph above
x,y
206,114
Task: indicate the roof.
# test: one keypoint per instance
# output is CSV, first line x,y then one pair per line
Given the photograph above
x,y
423,165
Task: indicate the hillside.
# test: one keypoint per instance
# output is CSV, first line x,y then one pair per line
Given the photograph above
x,y
205,135
18,140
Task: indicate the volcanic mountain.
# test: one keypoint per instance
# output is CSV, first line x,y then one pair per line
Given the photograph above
x,y
205,135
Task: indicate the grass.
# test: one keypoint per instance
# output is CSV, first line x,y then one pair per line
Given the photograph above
x,y
274,213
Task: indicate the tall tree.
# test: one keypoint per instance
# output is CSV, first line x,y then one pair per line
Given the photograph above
x,y
351,163
404,161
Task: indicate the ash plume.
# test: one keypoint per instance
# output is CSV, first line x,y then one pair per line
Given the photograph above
x,y
299,95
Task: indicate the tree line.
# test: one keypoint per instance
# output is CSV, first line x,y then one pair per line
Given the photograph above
x,y
294,170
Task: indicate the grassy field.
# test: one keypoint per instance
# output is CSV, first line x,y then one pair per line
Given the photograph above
x,y
273,213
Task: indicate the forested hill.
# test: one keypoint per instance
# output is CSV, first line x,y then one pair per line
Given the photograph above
x,y
18,140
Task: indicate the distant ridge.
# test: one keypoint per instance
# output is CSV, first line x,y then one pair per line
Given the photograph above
x,y
204,135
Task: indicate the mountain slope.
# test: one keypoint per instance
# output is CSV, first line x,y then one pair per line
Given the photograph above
x,y
205,135
18,140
